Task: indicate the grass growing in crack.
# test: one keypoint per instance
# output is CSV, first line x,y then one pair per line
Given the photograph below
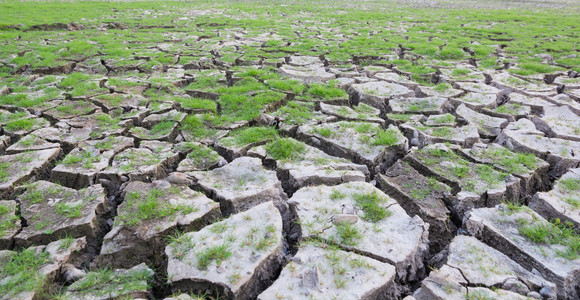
x,y
217,253
552,233
286,149
370,204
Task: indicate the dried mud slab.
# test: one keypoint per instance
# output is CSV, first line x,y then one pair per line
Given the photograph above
x,y
559,153
9,222
18,168
307,73
80,167
4,142
113,284
484,266
421,196
67,137
532,171
476,100
357,216
464,136
476,185
392,77
363,143
524,126
300,165
20,123
198,157
361,112
31,142
53,211
559,122
297,113
442,91
140,164
235,145
237,258
378,93
70,109
31,273
536,103
510,231
426,106
486,125
140,234
239,185
319,270
562,202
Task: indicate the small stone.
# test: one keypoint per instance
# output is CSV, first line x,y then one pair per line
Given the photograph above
x,y
534,295
344,219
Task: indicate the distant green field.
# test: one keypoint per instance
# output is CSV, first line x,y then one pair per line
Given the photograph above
x,y
331,28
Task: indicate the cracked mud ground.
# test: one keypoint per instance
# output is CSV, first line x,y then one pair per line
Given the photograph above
x,y
336,150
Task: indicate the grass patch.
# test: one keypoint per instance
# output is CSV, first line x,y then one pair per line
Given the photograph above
x,y
387,137
110,282
348,234
326,91
370,204
252,135
217,253
20,272
286,149
139,207
552,233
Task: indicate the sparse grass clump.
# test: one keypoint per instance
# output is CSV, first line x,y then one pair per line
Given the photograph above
x,y
109,282
348,234
552,233
9,221
209,254
569,184
139,207
371,205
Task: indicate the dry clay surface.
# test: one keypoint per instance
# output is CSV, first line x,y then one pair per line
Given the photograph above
x,y
381,187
